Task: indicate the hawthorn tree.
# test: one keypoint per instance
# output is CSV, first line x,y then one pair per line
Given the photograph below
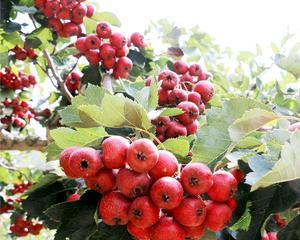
x,y
105,136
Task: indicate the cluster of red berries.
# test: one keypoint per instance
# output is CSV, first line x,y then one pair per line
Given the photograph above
x,y
22,227
20,115
65,16
7,206
73,82
23,53
11,81
20,188
144,189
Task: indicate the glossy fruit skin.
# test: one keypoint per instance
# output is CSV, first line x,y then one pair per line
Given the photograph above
x,y
55,24
166,166
166,193
238,174
192,128
195,69
196,179
139,233
294,127
194,97
80,44
177,96
103,182
124,64
191,112
103,30
70,29
169,79
107,52
205,89
93,57
113,209
64,161
167,229
217,216
92,41
191,212
161,124
132,184
194,233
232,203
114,151
272,235
73,197
85,162
143,213
79,11
186,77
90,10
163,96
142,155
224,186
175,129
180,67
117,40
64,14
137,40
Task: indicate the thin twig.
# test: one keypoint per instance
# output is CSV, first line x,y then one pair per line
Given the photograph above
x,y
10,168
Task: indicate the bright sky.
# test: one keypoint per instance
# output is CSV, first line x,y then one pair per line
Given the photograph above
x,y
239,24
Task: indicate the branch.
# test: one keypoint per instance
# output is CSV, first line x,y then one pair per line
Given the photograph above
x,y
8,141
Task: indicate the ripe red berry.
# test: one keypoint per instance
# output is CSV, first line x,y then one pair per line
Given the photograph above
x,y
80,44
107,52
103,30
109,64
186,77
117,40
64,161
64,14
191,212
104,181
195,70
196,178
194,233
180,67
55,24
90,10
39,3
272,235
142,155
79,11
175,129
203,76
192,127
137,40
69,4
194,97
114,151
167,229
190,112
205,89
122,52
70,29
232,203
113,209
143,213
73,197
139,233
161,124
35,229
166,193
85,162
92,41
238,174
217,216
169,79
224,186
166,165
93,57
132,184
124,64
163,97
177,96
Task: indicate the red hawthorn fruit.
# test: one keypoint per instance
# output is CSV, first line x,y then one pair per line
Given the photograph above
x,y
195,69
166,166
117,40
116,74
39,3
103,182
191,112
194,233
107,52
103,30
148,81
122,52
113,209
175,129
124,64
85,162
132,184
142,155
31,53
92,41
73,197
79,11
69,4
70,29
205,89
191,212
224,186
272,235
80,44
114,151
90,10
167,229
109,64
55,24
166,193
137,40
196,179
217,215
192,128
46,113
160,137
139,233
281,222
169,79
143,213
64,161
93,57
232,203
177,96
180,67
265,237
201,107
161,124
78,21
203,76
294,127
51,8
64,14
186,77
35,229
195,98
163,96
238,174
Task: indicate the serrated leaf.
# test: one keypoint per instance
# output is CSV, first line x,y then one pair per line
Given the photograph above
x,y
287,168
249,122
53,151
177,146
244,222
67,137
39,38
107,17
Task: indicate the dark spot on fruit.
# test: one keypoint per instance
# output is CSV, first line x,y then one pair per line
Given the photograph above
x,y
165,198
116,220
137,191
199,212
193,181
191,114
141,156
137,213
84,164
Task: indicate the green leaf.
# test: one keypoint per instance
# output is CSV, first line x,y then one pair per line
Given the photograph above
x,y
148,97
46,180
249,122
244,222
249,142
53,151
69,116
91,74
287,168
137,58
107,17
39,38
177,146
67,137
12,39
105,232
90,25
171,112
